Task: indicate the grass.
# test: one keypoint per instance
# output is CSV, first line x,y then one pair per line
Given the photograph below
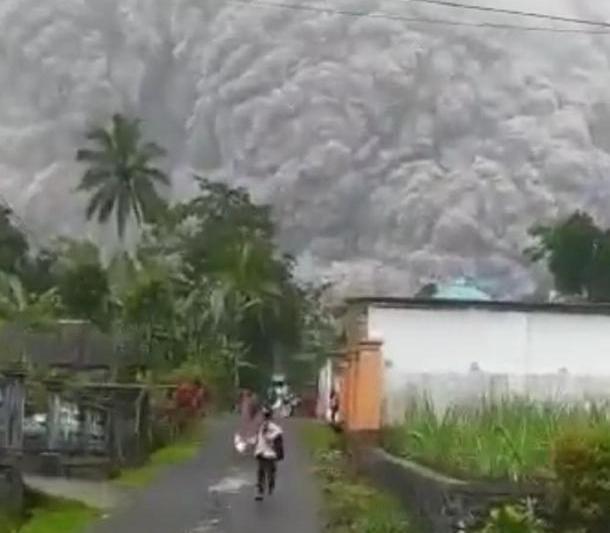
x,y
181,451
351,505
511,439
51,515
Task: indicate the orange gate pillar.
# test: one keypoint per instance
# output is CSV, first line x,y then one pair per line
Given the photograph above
x,y
366,388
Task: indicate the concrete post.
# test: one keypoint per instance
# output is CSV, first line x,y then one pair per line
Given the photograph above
x,y
54,389
352,388
13,410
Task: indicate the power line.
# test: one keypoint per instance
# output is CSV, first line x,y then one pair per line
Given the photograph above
x,y
423,20
545,16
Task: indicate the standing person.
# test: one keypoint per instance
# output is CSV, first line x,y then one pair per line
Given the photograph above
x,y
268,450
334,406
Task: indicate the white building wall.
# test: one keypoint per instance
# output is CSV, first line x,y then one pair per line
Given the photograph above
x,y
436,353
325,384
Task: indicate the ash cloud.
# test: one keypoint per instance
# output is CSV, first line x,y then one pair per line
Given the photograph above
x,y
394,152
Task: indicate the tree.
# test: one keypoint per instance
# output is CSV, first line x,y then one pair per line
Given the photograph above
x,y
577,254
149,308
19,306
121,176
85,293
13,243
26,311
231,285
599,282
38,271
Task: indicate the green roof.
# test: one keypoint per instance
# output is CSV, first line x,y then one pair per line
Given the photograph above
x,y
461,289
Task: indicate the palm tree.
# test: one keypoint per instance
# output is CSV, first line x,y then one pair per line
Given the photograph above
x,y
121,177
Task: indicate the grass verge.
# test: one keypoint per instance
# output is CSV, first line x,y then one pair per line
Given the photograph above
x,y
51,515
181,451
351,504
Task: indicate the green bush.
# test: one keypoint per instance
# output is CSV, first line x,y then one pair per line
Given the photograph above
x,y
513,519
582,465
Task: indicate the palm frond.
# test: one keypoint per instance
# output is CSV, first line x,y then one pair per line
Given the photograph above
x,y
122,212
87,155
120,174
102,137
156,175
95,202
149,151
94,178
106,207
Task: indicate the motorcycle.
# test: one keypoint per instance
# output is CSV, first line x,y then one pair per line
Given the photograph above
x,y
285,407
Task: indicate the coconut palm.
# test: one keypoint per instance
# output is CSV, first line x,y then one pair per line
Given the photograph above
x,y
121,176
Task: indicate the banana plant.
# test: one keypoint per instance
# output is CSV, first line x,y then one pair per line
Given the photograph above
x,y
28,312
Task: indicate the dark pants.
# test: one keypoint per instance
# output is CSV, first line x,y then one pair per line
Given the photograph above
x,y
266,474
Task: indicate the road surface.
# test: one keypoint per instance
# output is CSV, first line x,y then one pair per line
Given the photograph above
x,y
215,493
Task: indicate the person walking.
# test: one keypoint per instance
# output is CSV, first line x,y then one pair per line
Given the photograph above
x,y
268,450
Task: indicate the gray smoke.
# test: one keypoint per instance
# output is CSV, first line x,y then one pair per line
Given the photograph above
x,y
394,152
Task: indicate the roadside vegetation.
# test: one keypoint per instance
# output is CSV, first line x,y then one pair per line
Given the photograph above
x,y
193,293
511,439
351,505
44,514
565,449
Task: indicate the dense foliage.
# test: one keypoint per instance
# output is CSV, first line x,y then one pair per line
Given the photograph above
x,y
582,465
205,289
577,254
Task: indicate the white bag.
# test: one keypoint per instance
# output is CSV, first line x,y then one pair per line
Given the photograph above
x,y
240,444
243,445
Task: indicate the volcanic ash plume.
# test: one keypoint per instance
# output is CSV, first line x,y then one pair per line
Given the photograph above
x,y
393,151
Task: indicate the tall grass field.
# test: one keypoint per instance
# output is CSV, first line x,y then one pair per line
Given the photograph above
x,y
508,439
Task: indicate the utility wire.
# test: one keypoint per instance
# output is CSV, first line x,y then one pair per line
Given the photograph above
x,y
423,20
545,16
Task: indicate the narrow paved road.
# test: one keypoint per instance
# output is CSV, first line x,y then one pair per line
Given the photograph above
x,y
215,494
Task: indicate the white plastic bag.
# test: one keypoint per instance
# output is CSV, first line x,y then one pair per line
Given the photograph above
x,y
240,444
243,445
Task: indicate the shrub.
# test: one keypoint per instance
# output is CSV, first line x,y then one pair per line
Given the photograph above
x,y
8,523
513,519
582,466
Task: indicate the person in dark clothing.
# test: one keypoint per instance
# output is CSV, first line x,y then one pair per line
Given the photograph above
x,y
269,449
334,406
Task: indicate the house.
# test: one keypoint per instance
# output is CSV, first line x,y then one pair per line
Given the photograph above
x,y
459,350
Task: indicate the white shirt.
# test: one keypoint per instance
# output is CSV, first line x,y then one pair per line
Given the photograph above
x,y
267,433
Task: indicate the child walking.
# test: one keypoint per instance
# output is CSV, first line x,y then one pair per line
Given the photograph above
x,y
269,449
